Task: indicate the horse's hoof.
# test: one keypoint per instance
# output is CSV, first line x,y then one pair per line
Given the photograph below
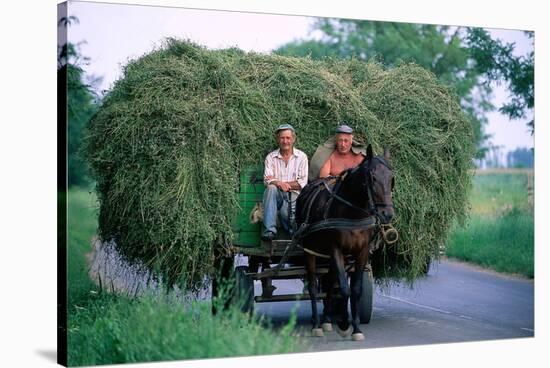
x,y
358,337
344,333
327,327
317,332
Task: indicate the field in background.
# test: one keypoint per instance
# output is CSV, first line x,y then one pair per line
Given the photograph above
x,y
110,329
500,231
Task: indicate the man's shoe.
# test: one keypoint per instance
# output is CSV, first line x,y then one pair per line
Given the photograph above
x,y
268,235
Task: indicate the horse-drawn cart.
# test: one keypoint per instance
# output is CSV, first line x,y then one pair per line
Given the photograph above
x,y
277,259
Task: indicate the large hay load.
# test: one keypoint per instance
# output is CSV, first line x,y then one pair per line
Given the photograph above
x,y
172,135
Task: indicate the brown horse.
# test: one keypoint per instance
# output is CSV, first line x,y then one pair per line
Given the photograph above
x,y
338,217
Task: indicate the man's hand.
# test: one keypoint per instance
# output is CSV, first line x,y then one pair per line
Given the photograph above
x,y
285,187
282,185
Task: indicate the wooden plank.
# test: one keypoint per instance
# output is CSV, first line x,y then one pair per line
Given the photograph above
x,y
287,298
277,247
252,251
293,253
286,273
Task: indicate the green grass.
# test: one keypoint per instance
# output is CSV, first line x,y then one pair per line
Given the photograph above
x,y
150,329
504,243
110,329
500,232
82,225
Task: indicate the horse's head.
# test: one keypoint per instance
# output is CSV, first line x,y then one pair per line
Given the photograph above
x,y
378,183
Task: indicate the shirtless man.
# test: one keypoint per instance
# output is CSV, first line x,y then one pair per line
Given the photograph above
x,y
343,157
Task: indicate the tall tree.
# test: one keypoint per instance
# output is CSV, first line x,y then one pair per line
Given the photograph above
x,y
496,60
81,102
444,50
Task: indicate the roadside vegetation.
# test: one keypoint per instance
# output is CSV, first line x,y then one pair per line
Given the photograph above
x,y
500,231
109,329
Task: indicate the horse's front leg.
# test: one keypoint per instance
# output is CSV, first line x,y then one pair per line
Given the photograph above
x,y
327,285
340,306
356,288
312,288
356,291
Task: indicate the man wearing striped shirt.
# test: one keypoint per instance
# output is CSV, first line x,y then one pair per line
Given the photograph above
x,y
285,172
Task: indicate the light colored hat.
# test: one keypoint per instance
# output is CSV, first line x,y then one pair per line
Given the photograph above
x,y
344,129
284,127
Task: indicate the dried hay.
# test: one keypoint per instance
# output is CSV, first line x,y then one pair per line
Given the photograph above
x,y
172,134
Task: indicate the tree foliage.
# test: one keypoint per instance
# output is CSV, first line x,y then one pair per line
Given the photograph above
x,y
81,103
454,54
497,62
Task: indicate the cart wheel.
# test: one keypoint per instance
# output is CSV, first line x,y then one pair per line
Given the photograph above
x,y
367,296
244,289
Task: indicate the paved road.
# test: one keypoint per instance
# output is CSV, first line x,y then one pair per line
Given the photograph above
x,y
455,302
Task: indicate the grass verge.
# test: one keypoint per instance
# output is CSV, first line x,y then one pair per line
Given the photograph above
x,y
120,330
500,232
505,244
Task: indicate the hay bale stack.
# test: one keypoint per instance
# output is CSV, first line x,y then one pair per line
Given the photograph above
x,y
167,144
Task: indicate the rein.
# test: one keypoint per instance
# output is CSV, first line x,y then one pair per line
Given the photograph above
x,y
369,185
334,195
371,220
387,232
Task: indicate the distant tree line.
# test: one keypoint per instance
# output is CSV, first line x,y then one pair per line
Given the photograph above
x,y
520,158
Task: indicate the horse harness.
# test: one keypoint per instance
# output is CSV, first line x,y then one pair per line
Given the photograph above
x,y
307,228
370,221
